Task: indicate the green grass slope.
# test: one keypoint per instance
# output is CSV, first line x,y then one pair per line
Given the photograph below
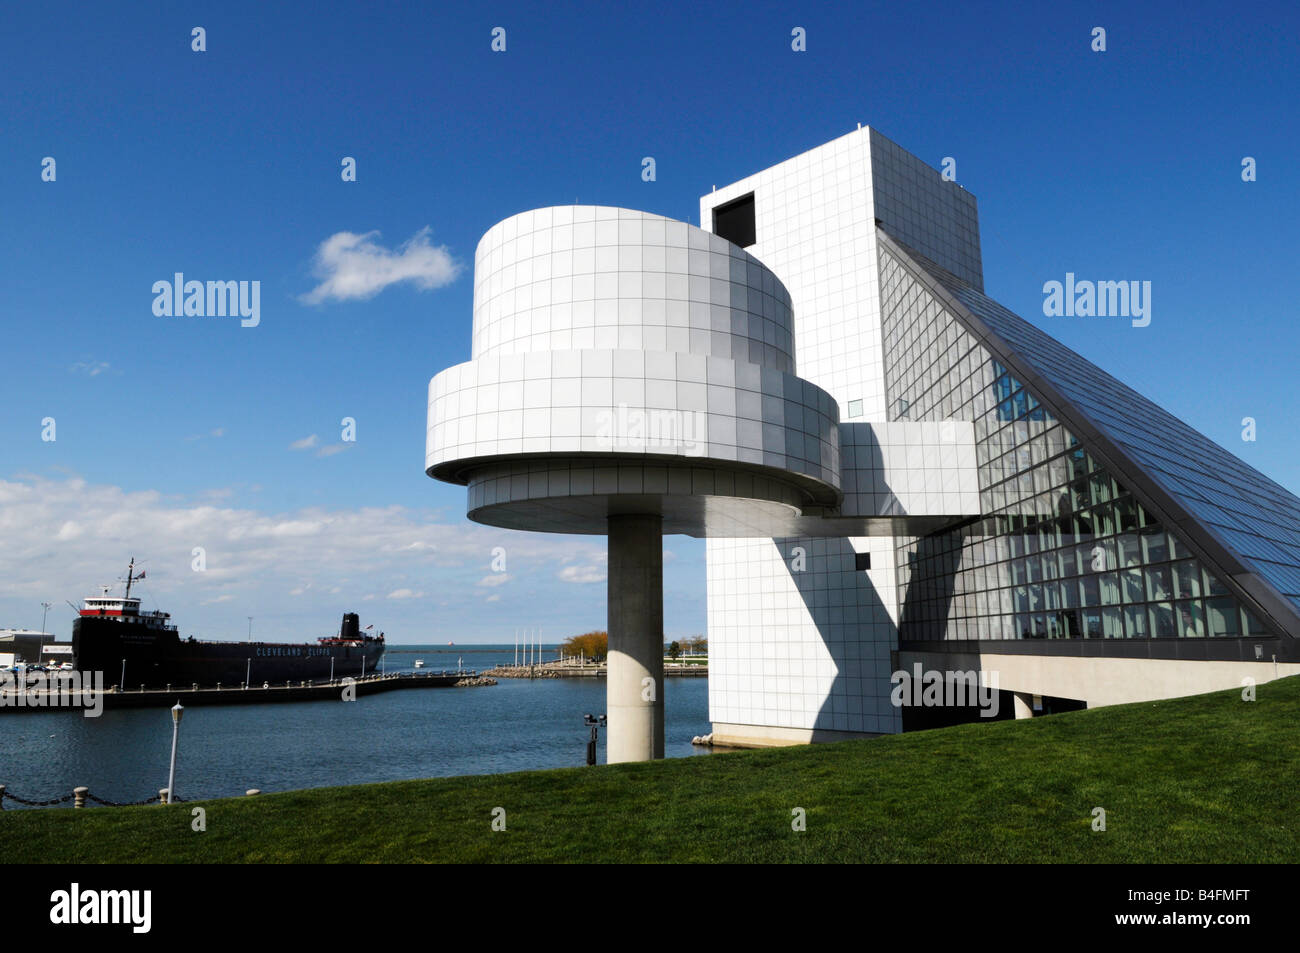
x,y
1209,778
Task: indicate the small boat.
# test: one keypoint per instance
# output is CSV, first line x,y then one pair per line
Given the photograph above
x,y
419,663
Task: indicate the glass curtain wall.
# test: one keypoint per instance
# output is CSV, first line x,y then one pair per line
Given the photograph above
x,y
1064,551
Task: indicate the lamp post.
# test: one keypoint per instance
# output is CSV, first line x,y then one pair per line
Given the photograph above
x,y
248,673
250,628
123,681
596,724
177,711
41,651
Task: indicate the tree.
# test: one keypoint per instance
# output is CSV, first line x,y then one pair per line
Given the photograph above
x,y
593,645
674,650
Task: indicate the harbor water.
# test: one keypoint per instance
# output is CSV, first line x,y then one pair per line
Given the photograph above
x,y
515,725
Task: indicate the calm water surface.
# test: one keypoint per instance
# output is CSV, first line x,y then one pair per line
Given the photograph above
x,y
515,725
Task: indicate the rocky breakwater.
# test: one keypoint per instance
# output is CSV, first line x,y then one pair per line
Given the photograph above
x,y
524,671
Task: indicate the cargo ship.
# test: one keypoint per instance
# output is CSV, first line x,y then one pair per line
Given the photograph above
x,y
134,648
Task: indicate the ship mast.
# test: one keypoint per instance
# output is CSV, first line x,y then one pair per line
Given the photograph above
x,y
128,577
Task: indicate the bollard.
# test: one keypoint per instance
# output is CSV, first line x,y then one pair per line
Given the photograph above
x,y
79,796
218,686
196,686
251,791
169,687
164,796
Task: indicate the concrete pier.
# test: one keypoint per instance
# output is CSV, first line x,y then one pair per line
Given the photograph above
x,y
204,696
1024,705
635,685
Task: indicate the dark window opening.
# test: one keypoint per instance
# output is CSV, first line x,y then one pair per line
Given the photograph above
x,y
735,221
863,560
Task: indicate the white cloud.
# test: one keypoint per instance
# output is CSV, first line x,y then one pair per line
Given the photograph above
x,y
215,432
305,443
582,574
495,579
90,368
333,448
64,537
352,266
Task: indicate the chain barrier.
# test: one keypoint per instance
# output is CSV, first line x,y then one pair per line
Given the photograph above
x,y
176,799
108,803
57,800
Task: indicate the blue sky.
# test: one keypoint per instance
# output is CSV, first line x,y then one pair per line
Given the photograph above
x,y
176,432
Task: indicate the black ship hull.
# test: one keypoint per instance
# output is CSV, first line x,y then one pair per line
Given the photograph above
x,y
155,657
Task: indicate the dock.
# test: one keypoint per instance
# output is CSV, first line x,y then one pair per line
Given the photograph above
x,y
573,669
238,695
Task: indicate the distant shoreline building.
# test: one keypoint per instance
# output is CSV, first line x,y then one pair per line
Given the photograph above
x,y
891,469
32,647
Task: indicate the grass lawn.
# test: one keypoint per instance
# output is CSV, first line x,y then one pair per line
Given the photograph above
x,y
1204,779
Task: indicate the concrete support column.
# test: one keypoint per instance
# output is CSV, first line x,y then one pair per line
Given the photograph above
x,y
635,683
1024,705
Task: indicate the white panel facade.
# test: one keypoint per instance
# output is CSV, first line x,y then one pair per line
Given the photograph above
x,y
584,277
909,468
815,224
622,361
654,402
797,637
